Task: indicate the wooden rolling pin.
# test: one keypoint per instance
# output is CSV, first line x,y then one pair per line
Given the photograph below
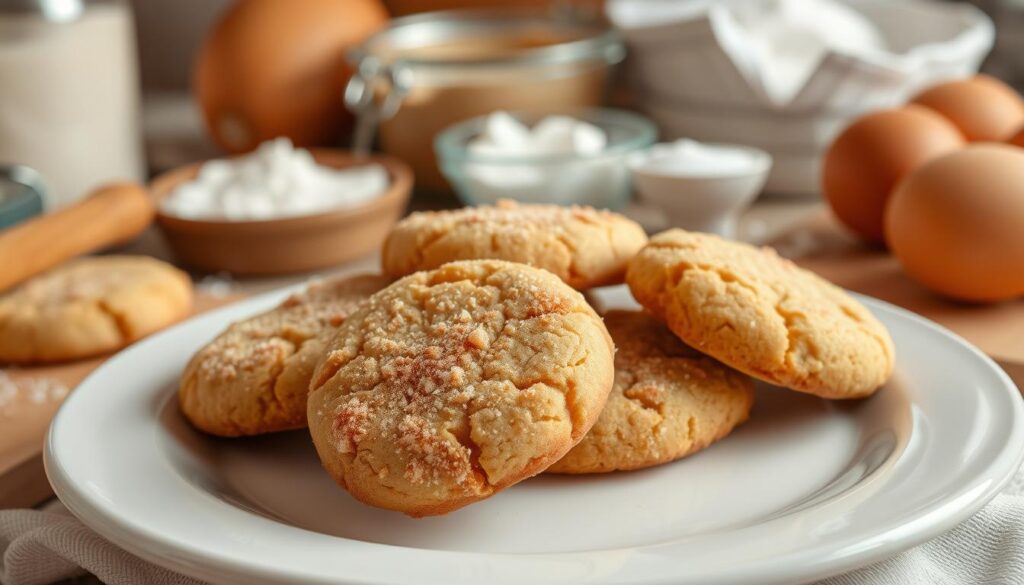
x,y
111,215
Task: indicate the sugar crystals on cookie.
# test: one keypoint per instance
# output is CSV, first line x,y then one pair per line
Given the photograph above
x,y
453,384
761,314
583,246
91,306
254,377
668,401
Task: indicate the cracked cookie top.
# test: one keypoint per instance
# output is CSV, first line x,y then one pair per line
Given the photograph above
x,y
583,246
762,315
452,384
254,377
90,306
668,401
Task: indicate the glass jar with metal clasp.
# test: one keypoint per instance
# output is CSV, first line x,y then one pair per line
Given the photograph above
x,y
426,72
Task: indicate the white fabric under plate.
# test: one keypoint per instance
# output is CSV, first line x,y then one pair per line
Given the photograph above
x,y
42,547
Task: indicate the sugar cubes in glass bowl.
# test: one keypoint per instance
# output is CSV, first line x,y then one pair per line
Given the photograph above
x,y
576,158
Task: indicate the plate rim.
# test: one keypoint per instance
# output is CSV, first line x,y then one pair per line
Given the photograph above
x,y
926,524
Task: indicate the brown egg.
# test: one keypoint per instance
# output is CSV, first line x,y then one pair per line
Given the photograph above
x,y
274,68
982,107
870,157
957,223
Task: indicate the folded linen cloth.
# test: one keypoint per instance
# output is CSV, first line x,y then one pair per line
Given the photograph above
x,y
40,547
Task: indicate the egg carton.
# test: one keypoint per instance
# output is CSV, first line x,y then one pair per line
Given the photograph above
x,y
696,76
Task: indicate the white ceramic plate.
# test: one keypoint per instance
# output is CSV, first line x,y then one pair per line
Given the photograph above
x,y
805,489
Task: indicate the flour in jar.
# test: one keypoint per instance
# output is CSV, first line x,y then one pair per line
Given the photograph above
x,y
69,99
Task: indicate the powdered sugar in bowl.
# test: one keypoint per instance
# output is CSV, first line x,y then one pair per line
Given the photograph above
x,y
281,210
577,158
698,186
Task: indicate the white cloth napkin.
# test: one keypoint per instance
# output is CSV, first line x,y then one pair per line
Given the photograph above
x,y
40,547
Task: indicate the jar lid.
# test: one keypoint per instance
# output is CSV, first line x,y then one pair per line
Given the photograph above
x,y
414,40
21,194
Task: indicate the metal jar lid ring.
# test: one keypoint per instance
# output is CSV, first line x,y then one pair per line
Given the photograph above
x,y
360,97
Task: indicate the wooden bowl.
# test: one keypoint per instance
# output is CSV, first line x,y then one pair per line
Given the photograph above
x,y
293,244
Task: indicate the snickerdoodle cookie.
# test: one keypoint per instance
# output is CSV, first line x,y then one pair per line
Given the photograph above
x,y
668,401
91,306
581,245
452,384
254,377
762,315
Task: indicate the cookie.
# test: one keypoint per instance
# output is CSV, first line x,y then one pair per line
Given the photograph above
x,y
762,315
91,306
668,401
581,245
453,384
254,377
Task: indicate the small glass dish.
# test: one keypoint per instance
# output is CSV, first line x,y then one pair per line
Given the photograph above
x,y
600,179
22,193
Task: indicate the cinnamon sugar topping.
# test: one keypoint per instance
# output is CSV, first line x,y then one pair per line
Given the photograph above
x,y
432,457
478,338
459,384
350,425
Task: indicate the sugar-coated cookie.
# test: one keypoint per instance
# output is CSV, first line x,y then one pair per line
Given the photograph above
x,y
762,315
254,377
668,401
90,306
452,384
581,245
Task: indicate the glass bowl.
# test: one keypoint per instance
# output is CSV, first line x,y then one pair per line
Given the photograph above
x,y
600,179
